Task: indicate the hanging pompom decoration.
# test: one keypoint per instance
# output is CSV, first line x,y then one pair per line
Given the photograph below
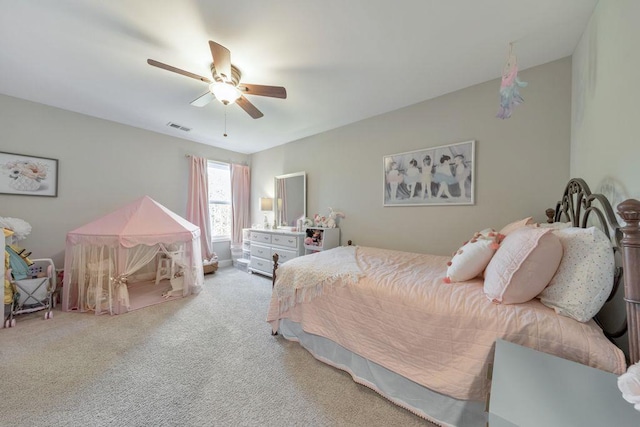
x,y
509,88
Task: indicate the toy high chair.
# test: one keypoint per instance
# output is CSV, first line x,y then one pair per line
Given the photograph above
x,y
167,265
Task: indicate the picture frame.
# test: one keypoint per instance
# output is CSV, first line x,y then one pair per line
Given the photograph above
x,y
26,175
450,181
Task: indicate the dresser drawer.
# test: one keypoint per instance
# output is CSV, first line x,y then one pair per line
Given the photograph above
x,y
261,265
263,244
283,254
283,240
260,237
261,251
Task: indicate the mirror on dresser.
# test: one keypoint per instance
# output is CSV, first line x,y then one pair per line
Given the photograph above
x,y
290,201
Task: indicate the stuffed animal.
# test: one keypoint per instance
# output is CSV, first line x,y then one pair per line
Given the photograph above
x,y
177,284
309,239
320,221
333,217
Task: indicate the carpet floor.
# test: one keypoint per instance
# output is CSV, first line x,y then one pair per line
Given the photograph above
x,y
204,360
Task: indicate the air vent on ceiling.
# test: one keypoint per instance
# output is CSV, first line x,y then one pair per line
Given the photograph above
x,y
177,126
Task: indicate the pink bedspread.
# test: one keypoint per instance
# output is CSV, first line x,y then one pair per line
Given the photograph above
x,y
402,316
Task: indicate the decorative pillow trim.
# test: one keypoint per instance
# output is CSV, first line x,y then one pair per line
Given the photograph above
x,y
474,255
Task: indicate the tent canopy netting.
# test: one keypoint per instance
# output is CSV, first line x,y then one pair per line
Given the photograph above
x,y
102,257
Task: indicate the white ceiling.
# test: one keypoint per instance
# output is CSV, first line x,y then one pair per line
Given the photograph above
x,y
340,60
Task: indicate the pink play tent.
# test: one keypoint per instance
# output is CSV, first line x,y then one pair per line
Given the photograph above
x,y
114,264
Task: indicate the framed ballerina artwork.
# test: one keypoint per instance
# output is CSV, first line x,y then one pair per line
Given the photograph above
x,y
433,176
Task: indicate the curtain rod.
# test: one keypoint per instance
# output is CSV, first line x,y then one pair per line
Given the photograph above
x,y
220,161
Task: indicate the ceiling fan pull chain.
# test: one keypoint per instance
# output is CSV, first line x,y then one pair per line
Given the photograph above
x,y
225,121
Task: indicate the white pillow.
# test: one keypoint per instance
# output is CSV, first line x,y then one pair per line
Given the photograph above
x,y
472,258
584,278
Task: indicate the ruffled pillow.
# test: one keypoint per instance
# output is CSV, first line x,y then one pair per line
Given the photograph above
x,y
509,228
584,278
555,225
472,258
523,266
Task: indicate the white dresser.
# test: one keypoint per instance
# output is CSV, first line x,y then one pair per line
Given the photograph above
x,y
266,243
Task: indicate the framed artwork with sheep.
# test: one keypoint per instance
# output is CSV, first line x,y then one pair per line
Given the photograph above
x,y
433,176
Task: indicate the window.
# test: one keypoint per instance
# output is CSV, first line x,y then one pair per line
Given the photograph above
x,y
219,200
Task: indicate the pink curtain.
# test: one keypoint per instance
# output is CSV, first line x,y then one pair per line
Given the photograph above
x,y
240,197
198,203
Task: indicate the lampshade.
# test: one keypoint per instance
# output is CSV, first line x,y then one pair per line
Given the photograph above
x,y
224,92
266,204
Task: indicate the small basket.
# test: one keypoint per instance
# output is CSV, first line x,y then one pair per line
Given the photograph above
x,y
210,268
24,183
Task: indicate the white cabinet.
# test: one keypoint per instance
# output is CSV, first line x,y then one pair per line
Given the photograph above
x,y
266,243
320,239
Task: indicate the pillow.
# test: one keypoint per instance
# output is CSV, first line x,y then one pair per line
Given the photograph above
x,y
555,225
584,278
472,258
523,266
509,228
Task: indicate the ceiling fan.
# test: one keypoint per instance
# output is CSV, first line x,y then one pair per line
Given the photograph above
x,y
226,86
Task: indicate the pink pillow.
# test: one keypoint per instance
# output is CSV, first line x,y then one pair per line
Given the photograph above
x,y
472,258
523,266
509,228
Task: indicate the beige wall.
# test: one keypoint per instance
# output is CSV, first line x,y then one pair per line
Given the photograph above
x,y
102,166
521,163
605,133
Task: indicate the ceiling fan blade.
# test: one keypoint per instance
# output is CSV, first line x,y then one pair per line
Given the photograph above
x,y
221,60
272,91
203,99
249,107
177,70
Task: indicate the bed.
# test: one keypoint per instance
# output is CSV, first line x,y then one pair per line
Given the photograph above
x,y
404,325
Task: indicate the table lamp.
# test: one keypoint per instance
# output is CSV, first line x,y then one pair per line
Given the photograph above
x,y
266,205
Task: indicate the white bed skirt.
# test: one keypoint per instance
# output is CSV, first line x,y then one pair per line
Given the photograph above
x,y
435,407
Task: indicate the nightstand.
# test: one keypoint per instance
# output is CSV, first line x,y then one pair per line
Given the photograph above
x,y
531,388
322,239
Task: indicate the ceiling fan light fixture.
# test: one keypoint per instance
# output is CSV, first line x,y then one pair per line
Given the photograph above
x,y
225,84
224,92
